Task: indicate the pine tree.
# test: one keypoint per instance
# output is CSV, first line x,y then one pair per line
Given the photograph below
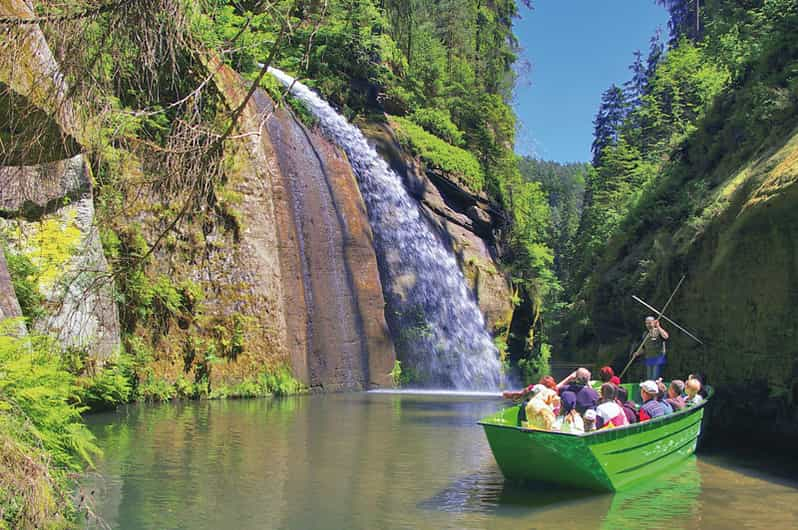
x,y
685,18
609,119
635,88
656,49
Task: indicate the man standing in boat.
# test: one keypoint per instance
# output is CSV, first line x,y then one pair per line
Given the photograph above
x,y
653,348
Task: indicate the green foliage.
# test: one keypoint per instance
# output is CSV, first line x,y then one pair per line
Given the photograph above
x,y
456,163
396,373
439,123
37,387
680,159
276,383
111,386
532,369
41,431
564,186
25,279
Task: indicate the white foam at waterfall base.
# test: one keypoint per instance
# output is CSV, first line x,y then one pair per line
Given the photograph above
x,y
452,347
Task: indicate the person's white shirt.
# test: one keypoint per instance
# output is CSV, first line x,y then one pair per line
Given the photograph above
x,y
695,400
609,410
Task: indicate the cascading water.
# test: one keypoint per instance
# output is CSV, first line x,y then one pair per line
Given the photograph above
x,y
449,344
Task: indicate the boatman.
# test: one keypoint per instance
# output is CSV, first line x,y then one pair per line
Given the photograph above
x,y
653,348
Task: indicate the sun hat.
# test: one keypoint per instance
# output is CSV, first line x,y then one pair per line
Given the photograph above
x,y
649,387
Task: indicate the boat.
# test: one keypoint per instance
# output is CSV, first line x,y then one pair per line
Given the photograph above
x,y
610,459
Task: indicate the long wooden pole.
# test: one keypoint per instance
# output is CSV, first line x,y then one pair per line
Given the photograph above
x,y
677,326
637,351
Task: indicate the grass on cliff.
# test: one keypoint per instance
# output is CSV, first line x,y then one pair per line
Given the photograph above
x,y
458,164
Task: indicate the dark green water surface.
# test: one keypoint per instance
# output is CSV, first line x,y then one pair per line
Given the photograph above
x,y
374,461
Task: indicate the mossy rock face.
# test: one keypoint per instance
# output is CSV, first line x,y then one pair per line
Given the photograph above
x,y
740,255
49,219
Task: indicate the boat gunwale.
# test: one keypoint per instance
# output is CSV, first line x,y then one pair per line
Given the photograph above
x,y
632,428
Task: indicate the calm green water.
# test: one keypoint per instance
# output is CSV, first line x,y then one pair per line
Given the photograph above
x,y
373,461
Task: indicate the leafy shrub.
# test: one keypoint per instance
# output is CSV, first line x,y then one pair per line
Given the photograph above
x,y
41,432
279,383
457,163
396,374
111,386
533,368
25,279
439,123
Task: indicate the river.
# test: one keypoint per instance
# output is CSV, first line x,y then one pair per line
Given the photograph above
x,y
374,461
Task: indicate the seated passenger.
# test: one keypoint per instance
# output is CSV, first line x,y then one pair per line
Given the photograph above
x,y
539,410
693,388
629,407
662,393
549,382
607,375
703,383
590,420
608,409
652,408
576,393
550,395
675,391
518,395
573,423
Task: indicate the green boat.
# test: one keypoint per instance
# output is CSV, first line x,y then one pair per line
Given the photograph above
x,y
603,460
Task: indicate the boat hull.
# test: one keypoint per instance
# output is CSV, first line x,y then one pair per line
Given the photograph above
x,y
605,460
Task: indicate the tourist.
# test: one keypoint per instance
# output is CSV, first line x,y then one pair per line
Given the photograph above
x,y
703,381
518,395
662,393
590,420
607,375
608,409
653,348
652,408
549,382
629,407
576,392
539,409
675,391
693,388
573,423
550,395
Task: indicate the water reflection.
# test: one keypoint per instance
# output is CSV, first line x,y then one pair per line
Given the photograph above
x,y
376,461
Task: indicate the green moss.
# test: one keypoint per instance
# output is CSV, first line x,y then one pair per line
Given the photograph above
x,y
457,163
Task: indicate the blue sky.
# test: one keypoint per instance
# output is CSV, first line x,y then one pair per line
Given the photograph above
x,y
576,49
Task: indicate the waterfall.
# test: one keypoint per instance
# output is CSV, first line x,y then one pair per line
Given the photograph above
x,y
447,342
